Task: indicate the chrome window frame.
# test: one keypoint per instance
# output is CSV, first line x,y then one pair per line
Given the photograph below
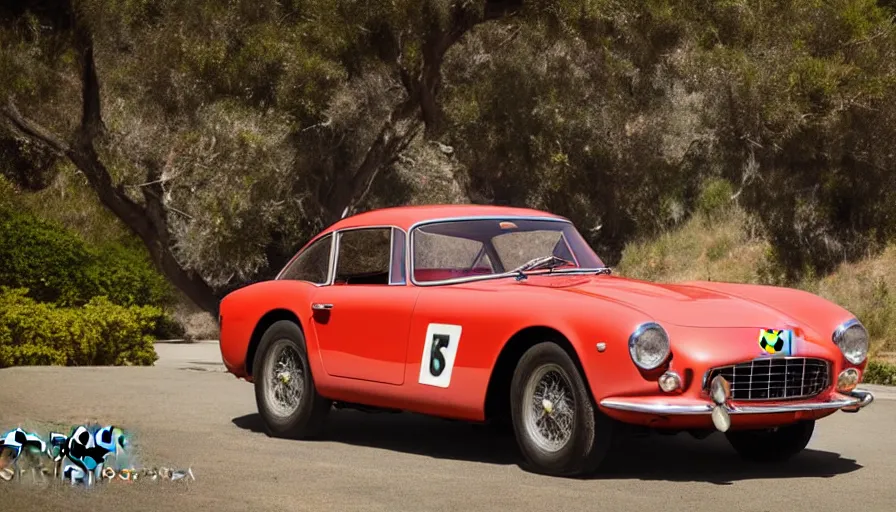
x,y
410,240
401,249
338,238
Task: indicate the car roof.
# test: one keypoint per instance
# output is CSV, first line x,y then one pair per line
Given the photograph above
x,y
406,216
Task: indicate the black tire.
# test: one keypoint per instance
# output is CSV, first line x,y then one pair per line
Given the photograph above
x,y
307,419
590,433
772,445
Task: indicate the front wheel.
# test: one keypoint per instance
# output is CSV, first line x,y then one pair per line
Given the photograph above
x,y
287,399
557,426
773,444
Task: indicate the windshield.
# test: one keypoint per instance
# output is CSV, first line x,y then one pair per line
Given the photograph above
x,y
480,247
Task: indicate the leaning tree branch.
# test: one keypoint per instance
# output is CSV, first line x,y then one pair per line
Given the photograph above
x,y
91,118
147,221
420,106
397,146
34,130
437,46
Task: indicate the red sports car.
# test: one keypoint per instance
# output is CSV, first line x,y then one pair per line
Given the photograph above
x,y
485,313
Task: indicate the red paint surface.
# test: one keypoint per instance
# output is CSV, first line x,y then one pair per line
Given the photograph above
x,y
368,349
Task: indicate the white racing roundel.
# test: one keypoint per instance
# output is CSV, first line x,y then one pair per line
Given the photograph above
x,y
439,351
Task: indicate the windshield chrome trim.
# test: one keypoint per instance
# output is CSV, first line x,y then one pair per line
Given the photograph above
x,y
410,253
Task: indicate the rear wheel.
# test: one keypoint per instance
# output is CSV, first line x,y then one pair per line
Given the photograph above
x,y
773,444
287,399
557,426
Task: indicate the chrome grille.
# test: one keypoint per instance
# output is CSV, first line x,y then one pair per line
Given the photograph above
x,y
774,378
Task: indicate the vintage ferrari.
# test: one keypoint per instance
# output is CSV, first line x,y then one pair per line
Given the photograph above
x,y
490,314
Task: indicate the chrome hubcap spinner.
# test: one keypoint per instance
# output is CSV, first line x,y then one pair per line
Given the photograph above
x,y
285,382
549,408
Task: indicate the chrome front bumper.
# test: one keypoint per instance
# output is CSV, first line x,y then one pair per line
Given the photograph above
x,y
849,402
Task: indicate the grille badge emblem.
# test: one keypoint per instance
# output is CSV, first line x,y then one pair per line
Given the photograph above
x,y
776,342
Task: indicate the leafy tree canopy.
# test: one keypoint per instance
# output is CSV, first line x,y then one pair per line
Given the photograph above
x,y
223,134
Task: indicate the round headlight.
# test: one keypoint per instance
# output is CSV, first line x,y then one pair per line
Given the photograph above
x,y
852,338
649,346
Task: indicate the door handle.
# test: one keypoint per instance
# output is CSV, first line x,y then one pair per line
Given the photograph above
x,y
320,306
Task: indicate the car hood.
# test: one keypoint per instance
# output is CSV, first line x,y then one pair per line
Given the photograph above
x,y
685,305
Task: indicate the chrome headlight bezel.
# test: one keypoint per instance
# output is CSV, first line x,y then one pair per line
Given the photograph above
x,y
637,336
839,338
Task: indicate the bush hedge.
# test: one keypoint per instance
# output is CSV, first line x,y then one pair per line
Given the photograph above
x,y
57,266
880,372
98,333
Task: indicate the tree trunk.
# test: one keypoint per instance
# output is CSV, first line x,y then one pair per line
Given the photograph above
x,y
420,108
148,221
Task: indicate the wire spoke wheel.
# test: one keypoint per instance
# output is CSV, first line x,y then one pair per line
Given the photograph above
x,y
284,379
549,407
285,391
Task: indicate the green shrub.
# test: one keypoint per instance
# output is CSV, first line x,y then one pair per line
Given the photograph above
x,y
168,328
99,333
49,261
124,275
880,372
715,197
7,194
57,266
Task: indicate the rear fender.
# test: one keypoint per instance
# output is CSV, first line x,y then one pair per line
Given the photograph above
x,y
245,312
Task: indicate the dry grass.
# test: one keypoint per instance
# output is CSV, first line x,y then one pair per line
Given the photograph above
x,y
198,324
728,248
867,289
720,249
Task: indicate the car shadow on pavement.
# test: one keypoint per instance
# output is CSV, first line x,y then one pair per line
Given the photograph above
x,y
682,458
409,433
678,458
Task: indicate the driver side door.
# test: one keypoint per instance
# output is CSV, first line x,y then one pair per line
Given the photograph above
x,y
362,319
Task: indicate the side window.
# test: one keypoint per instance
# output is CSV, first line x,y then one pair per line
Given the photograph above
x,y
364,256
313,264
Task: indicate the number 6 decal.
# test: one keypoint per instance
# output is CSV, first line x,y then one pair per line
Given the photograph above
x,y
439,350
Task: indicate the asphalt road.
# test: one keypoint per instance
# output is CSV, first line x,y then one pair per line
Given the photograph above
x,y
186,412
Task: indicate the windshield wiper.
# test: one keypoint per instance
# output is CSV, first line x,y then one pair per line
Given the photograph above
x,y
550,262
577,270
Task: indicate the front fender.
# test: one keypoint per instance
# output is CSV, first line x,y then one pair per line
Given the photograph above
x,y
586,323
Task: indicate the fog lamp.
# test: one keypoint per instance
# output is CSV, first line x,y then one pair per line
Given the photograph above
x,y
848,380
669,382
719,390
